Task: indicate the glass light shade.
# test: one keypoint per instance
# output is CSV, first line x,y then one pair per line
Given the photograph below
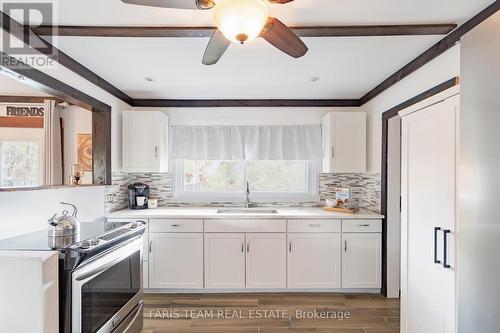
x,y
240,20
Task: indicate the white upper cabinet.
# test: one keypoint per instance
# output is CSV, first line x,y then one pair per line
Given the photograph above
x,y
344,142
145,141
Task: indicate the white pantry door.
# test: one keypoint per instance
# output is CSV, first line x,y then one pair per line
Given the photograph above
x,y
429,139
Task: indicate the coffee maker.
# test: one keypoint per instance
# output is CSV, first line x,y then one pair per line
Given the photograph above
x,y
138,196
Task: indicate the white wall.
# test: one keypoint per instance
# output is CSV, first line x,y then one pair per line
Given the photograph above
x,y
249,116
435,72
478,184
26,211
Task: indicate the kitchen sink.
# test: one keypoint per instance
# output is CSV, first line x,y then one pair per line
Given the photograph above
x,y
247,211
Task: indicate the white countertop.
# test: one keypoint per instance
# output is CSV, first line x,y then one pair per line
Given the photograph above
x,y
211,213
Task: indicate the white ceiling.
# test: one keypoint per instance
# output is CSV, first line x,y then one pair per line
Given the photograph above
x,y
298,12
13,87
347,67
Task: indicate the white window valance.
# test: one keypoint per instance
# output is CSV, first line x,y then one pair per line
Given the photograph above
x,y
246,142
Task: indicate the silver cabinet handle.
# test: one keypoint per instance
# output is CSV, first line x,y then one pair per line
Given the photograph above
x,y
290,247
333,151
150,246
363,225
317,225
177,225
248,247
156,151
345,245
242,247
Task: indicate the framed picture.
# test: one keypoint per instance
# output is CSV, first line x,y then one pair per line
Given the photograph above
x,y
84,151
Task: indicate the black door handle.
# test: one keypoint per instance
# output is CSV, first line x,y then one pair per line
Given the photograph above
x,y
436,229
445,248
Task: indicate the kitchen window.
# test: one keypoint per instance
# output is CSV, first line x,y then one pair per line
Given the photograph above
x,y
225,180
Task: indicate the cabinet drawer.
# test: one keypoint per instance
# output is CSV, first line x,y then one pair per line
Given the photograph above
x,y
310,226
245,225
361,225
175,225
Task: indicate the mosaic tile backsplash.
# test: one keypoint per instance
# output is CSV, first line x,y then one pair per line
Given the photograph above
x,y
365,188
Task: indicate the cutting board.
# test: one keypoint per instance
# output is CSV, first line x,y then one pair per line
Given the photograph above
x,y
341,210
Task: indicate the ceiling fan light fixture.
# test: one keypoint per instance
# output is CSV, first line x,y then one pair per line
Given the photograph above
x,y
240,21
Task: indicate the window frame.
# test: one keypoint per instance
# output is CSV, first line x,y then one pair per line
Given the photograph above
x,y
311,195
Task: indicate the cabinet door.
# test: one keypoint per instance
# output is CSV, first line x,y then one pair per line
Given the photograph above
x,y
224,260
344,135
314,260
144,141
362,260
176,260
266,260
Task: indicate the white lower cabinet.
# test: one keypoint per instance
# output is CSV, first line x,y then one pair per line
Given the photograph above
x,y
314,260
266,261
145,275
300,254
225,260
361,260
239,260
176,260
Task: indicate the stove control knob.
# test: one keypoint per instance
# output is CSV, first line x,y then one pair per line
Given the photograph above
x,y
85,245
94,241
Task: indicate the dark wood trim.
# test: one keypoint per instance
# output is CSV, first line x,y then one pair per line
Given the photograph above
x,y
27,35
37,188
101,147
433,52
21,122
393,112
383,202
27,99
204,31
420,97
208,103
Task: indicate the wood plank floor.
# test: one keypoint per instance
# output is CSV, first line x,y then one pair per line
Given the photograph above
x,y
270,313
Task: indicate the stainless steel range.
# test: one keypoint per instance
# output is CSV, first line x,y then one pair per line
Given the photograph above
x,y
100,276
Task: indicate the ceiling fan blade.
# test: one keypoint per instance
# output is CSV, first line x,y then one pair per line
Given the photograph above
x,y
178,4
281,2
216,48
284,39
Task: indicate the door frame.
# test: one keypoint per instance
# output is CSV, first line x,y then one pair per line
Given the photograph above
x,y
411,104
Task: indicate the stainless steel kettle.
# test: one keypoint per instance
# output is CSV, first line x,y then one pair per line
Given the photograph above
x,y
64,225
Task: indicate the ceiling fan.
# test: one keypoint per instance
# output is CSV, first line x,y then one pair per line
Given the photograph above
x,y
238,21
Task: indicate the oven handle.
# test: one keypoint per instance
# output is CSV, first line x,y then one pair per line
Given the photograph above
x,y
104,267
136,314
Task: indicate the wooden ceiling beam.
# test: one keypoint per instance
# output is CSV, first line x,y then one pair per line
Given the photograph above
x,y
203,31
220,103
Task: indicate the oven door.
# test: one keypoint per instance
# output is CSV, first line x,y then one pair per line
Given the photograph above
x,y
107,290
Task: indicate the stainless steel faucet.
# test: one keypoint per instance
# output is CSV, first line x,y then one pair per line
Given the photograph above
x,y
249,204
